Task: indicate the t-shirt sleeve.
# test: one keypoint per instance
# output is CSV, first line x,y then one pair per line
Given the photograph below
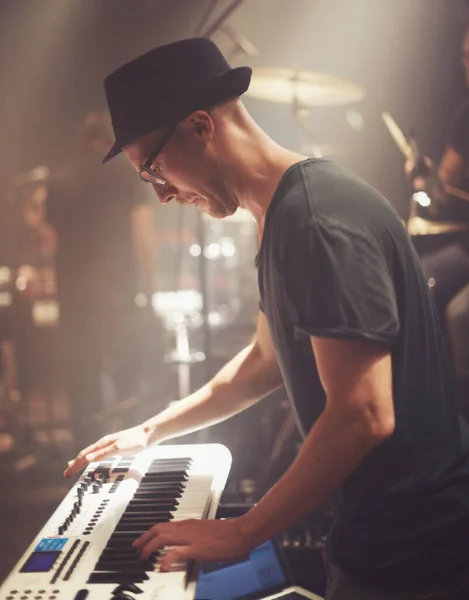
x,y
338,285
459,134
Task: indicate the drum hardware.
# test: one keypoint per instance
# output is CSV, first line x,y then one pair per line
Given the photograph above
x,y
180,312
240,44
303,90
417,226
435,189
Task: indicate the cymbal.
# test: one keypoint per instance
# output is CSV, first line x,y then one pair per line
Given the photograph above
x,y
287,86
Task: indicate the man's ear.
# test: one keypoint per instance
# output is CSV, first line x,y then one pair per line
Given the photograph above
x,y
200,122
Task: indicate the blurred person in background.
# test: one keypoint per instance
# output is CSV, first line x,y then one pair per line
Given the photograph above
x,y
448,266
347,326
105,258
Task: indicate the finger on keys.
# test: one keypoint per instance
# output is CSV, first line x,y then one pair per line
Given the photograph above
x,y
158,542
176,555
143,540
75,465
83,458
100,454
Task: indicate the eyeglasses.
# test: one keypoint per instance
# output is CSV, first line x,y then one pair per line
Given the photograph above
x,y
150,173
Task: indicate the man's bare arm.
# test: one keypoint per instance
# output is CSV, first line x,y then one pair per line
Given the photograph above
x,y
359,415
451,167
245,380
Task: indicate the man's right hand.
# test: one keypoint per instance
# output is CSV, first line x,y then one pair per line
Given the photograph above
x,y
125,442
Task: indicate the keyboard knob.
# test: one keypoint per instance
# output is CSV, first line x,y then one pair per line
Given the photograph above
x,y
128,587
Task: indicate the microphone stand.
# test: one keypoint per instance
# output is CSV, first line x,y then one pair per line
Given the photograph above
x,y
201,236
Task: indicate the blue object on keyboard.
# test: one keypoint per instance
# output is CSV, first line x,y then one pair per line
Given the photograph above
x,y
261,573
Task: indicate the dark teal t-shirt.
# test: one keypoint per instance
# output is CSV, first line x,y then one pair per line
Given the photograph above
x,y
336,262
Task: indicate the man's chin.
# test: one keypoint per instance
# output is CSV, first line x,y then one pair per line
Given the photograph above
x,y
218,210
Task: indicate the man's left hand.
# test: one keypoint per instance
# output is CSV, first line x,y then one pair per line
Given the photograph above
x,y
201,540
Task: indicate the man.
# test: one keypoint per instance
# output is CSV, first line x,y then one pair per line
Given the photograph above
x,y
101,218
347,326
448,265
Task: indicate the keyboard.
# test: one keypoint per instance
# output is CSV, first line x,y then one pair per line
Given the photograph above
x,y
84,551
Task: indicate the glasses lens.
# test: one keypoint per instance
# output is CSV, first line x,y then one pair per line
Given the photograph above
x,y
152,177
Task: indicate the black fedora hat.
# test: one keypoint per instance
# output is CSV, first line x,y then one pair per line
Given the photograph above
x,y
166,84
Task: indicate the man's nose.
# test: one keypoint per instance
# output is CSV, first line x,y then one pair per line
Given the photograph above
x,y
165,194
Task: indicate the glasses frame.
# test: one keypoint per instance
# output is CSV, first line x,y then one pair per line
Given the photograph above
x,y
147,165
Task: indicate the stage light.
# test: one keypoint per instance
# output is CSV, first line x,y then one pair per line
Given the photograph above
x,y
422,198
228,248
195,250
212,251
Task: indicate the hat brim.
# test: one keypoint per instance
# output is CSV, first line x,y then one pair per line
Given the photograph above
x,y
228,85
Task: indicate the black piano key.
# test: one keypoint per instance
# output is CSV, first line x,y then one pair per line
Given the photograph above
x,y
165,472
161,485
159,492
118,555
144,515
151,502
124,567
170,469
169,476
120,541
151,495
141,523
175,486
130,554
175,466
139,527
163,493
102,577
175,498
132,518
119,537
170,460
165,462
111,561
127,559
138,503
125,544
146,518
160,479
151,509
147,522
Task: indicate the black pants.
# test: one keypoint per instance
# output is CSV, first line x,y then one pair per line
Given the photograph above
x,y
448,270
